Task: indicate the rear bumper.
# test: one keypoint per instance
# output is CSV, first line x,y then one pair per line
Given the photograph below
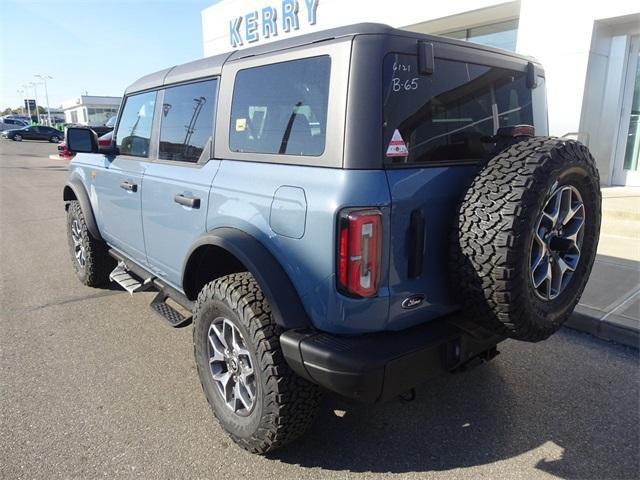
x,y
379,366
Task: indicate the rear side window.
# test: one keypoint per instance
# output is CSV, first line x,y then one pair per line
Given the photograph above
x,y
281,108
134,128
187,121
444,116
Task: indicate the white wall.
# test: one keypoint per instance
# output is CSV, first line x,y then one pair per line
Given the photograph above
x,y
559,33
580,43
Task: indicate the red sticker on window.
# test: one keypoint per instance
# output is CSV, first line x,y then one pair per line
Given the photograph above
x,y
397,147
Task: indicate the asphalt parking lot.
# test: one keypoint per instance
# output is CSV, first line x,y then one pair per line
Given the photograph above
x,y
94,384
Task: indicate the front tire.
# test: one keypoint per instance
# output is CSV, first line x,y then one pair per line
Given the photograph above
x,y
91,260
253,393
54,139
17,138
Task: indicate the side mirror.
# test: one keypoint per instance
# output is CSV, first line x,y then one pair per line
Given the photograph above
x,y
81,140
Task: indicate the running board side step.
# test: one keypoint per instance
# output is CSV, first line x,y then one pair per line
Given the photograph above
x,y
122,277
128,275
166,311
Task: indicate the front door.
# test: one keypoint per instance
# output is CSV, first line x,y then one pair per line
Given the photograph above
x,y
626,165
32,133
119,183
176,186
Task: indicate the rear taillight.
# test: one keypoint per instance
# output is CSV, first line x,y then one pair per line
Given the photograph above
x,y
359,242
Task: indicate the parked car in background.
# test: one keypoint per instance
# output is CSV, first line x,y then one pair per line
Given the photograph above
x,y
34,132
111,122
105,140
12,123
63,151
104,129
22,118
99,129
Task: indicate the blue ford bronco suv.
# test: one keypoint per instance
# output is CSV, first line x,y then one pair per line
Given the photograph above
x,y
352,210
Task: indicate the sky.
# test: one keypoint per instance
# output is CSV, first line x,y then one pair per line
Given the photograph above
x,y
98,46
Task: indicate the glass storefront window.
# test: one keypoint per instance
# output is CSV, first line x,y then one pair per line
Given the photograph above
x,y
632,150
501,35
99,116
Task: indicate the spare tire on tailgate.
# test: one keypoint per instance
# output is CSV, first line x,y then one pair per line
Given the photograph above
x,y
525,237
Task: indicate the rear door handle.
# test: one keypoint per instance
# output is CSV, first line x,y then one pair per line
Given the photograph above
x,y
187,201
130,187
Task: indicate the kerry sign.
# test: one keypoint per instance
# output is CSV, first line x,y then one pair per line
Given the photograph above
x,y
271,21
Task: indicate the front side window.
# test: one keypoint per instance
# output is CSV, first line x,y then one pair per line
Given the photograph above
x,y
281,108
134,129
187,121
445,116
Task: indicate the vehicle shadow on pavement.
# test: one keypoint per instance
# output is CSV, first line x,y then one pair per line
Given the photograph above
x,y
532,401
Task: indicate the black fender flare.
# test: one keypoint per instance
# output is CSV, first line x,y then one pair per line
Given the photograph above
x,y
76,185
286,306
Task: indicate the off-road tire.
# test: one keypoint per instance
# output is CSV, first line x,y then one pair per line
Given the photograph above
x,y
98,263
494,230
285,404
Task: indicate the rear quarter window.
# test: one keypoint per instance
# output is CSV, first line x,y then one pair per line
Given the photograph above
x,y
443,117
281,108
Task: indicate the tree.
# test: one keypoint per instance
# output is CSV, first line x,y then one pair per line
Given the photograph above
x,y
10,111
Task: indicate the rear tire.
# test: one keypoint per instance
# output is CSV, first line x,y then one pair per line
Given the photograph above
x,y
91,260
504,230
283,405
54,139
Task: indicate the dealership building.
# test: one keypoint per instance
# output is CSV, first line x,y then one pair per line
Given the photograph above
x,y
90,109
589,49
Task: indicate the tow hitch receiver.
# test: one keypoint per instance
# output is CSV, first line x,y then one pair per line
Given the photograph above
x,y
482,357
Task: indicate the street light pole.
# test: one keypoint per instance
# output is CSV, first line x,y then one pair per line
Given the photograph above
x,y
28,106
46,94
21,92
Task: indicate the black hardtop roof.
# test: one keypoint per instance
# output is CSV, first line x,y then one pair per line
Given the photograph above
x,y
211,66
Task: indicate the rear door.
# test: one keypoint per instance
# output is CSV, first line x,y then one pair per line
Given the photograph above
x,y
41,133
176,185
119,182
434,138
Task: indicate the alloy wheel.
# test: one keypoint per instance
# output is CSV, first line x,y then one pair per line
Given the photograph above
x,y
231,366
555,250
78,247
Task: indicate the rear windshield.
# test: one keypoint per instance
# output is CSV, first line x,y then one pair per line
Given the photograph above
x,y
447,116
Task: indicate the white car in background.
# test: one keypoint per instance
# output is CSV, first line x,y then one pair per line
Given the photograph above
x,y
12,124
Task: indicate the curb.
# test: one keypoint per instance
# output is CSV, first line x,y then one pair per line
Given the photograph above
x,y
604,329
